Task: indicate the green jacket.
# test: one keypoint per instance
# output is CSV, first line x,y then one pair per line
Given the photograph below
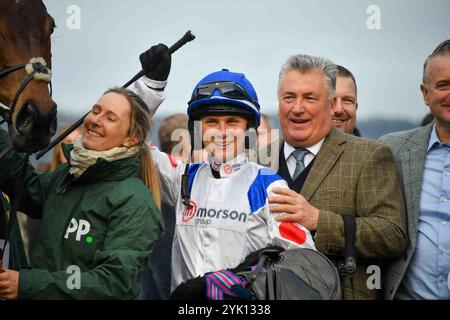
x,y
96,230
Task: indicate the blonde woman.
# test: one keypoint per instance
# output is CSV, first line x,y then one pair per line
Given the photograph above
x,y
100,211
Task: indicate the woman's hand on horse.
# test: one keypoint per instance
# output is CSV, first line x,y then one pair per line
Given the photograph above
x,y
156,61
9,284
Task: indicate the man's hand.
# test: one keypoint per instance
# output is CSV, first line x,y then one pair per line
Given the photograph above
x,y
9,284
298,210
156,61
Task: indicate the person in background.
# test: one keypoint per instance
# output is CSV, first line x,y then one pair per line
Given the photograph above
x,y
173,136
43,167
58,155
344,110
423,154
264,132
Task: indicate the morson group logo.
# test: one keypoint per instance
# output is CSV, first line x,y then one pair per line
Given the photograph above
x,y
189,213
204,216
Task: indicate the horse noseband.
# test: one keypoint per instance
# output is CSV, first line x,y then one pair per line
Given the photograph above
x,y
36,69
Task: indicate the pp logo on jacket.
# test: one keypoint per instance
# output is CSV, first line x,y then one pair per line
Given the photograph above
x,y
81,228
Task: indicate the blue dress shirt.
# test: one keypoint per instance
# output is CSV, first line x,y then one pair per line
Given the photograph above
x,y
428,271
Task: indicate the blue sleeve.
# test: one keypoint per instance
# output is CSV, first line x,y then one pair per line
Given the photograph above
x,y
193,168
257,193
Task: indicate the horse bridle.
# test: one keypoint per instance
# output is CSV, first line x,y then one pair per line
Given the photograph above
x,y
36,69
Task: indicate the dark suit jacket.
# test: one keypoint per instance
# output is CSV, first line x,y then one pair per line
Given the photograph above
x,y
357,176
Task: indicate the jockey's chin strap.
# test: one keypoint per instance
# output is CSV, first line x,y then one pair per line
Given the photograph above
x,y
37,70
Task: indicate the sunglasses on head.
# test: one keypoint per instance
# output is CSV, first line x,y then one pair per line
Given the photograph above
x,y
227,89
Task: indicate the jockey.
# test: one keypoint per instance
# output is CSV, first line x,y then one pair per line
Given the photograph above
x,y
222,210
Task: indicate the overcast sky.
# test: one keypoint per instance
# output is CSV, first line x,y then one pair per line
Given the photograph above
x,y
254,37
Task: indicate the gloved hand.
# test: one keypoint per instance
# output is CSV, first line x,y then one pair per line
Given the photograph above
x,y
156,61
193,289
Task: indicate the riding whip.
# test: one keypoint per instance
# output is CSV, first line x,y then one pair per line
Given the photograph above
x,y
188,36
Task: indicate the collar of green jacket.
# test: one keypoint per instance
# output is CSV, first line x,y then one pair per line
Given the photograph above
x,y
104,170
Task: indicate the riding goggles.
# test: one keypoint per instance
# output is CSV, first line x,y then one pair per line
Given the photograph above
x,y
228,89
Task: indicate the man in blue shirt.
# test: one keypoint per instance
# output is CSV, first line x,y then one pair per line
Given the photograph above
x,y
423,155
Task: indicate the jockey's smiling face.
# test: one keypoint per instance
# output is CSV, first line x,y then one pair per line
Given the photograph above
x,y
224,136
108,124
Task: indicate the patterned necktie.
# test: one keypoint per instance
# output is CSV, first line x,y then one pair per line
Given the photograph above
x,y
299,155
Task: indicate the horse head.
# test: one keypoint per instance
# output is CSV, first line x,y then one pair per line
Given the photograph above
x,y
25,29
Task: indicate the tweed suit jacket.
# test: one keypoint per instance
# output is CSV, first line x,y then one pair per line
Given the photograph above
x,y
410,150
352,175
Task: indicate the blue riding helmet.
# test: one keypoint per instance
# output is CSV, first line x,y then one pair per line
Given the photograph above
x,y
220,93
224,93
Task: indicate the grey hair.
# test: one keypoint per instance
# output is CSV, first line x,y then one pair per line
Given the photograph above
x,y
442,49
305,63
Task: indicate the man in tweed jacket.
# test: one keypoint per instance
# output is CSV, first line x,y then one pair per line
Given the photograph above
x,y
344,175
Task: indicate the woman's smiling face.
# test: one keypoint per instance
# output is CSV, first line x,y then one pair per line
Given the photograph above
x,y
108,124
